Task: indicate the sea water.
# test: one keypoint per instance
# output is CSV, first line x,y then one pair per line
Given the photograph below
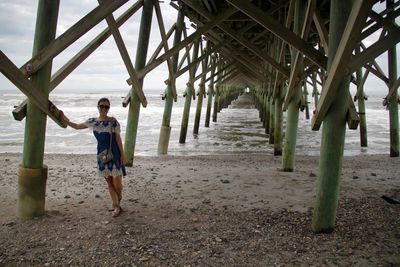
x,y
238,128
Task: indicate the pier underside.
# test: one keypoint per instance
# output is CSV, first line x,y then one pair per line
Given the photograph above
x,y
276,51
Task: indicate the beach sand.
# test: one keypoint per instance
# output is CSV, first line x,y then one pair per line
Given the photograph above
x,y
216,210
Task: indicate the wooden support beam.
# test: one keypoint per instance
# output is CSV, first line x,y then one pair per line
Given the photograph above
x,y
125,57
159,47
298,62
235,35
353,120
186,56
199,59
282,32
29,89
197,34
392,90
322,32
164,40
375,50
70,36
20,111
340,64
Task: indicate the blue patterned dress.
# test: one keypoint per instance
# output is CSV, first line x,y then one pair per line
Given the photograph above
x,y
101,130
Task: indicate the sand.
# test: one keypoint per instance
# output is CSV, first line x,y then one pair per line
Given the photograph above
x,y
214,210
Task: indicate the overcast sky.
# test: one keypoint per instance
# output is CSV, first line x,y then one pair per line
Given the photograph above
x,y
104,69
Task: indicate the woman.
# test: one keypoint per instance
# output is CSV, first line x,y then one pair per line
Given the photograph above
x,y
112,171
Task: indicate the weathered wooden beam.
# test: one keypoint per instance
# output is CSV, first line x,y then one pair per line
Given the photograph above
x,y
373,51
199,59
175,49
29,89
298,62
125,57
392,90
340,64
70,36
186,56
353,120
161,45
282,32
322,32
235,35
164,40
20,111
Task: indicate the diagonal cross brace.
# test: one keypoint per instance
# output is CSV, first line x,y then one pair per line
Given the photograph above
x,y
125,57
29,89
340,64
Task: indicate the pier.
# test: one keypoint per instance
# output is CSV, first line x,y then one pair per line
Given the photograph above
x,y
288,55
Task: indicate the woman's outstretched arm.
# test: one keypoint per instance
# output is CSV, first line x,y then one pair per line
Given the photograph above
x,y
74,125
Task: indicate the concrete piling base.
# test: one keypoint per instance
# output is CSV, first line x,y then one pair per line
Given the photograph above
x,y
31,192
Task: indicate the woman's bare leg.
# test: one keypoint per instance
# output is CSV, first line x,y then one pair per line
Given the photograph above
x,y
117,182
112,191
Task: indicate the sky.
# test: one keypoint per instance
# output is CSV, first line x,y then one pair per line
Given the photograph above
x,y
104,69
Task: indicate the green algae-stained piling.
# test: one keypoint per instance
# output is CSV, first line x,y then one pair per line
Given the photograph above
x,y
360,97
267,49
394,99
333,131
289,148
134,106
169,92
210,93
189,94
32,173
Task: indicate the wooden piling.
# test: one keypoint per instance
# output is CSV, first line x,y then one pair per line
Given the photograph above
x,y
32,174
140,62
393,102
333,131
210,94
189,94
289,148
165,130
360,97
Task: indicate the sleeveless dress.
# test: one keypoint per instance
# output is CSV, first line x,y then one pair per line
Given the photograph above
x,y
101,130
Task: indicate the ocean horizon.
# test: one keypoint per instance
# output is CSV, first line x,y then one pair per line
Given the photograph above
x,y
238,128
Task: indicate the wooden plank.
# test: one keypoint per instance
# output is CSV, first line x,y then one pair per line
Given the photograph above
x,y
282,32
20,111
297,64
70,36
29,89
126,58
339,67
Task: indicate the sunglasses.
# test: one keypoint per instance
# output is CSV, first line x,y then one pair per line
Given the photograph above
x,y
104,106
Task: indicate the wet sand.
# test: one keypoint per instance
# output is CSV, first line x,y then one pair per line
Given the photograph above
x,y
219,210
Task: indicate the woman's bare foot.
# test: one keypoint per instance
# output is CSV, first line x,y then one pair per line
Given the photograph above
x,y
117,211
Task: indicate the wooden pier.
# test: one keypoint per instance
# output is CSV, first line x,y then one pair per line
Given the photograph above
x,y
292,55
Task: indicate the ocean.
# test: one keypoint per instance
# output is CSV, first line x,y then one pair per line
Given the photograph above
x,y
238,128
